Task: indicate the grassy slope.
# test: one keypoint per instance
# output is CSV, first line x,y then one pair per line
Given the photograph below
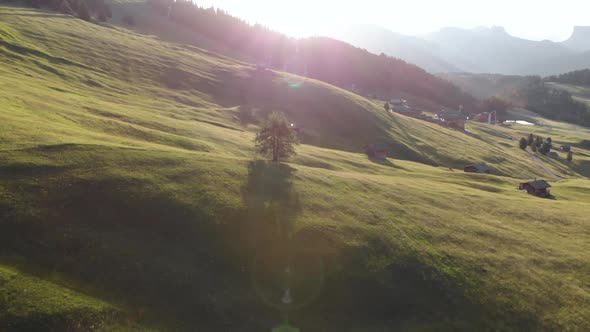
x,y
580,93
126,157
561,133
29,303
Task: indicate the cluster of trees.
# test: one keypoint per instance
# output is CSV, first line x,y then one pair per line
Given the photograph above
x,y
578,77
325,59
83,9
494,103
537,143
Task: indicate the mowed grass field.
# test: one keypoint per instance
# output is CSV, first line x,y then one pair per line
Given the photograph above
x,y
130,193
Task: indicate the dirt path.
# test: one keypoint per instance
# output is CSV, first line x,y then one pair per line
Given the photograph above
x,y
541,164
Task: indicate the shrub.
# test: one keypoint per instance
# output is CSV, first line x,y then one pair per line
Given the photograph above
x,y
545,148
531,139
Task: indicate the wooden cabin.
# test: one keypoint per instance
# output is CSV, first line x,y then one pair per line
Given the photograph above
x,y
454,120
376,151
538,188
478,168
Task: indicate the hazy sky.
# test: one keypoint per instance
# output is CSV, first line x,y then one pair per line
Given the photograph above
x,y
531,19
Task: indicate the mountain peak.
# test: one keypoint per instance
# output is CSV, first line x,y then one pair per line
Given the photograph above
x,y
581,29
580,38
498,29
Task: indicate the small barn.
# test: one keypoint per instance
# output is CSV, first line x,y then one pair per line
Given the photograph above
x,y
376,151
478,168
398,102
453,120
406,110
538,188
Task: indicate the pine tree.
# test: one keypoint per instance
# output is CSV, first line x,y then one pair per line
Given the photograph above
x,y
545,148
276,138
531,139
386,106
523,143
570,156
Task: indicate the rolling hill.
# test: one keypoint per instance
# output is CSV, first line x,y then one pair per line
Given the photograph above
x,y
131,198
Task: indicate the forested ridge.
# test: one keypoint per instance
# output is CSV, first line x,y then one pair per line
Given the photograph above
x,y
322,58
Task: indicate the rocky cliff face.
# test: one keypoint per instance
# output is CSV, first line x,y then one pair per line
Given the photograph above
x,y
580,39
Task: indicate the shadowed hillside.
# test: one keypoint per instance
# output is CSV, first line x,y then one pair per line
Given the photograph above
x,y
325,59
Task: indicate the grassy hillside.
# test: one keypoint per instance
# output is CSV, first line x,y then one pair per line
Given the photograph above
x,y
561,133
127,168
580,93
28,303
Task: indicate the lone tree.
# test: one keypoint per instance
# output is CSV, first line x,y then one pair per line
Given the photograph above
x,y
387,107
570,156
276,137
523,143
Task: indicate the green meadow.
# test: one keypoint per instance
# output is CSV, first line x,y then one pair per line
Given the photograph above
x,y
131,198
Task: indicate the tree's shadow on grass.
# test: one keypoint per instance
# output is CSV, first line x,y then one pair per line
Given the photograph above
x,y
385,162
271,201
583,167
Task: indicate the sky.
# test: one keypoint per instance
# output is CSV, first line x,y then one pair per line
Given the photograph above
x,y
530,19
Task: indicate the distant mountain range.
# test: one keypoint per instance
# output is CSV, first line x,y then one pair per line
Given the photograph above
x,y
479,50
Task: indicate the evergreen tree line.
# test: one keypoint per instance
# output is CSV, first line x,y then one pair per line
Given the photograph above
x,y
556,104
578,77
325,59
83,9
494,103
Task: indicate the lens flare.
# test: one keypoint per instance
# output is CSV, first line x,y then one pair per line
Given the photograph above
x,y
287,280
